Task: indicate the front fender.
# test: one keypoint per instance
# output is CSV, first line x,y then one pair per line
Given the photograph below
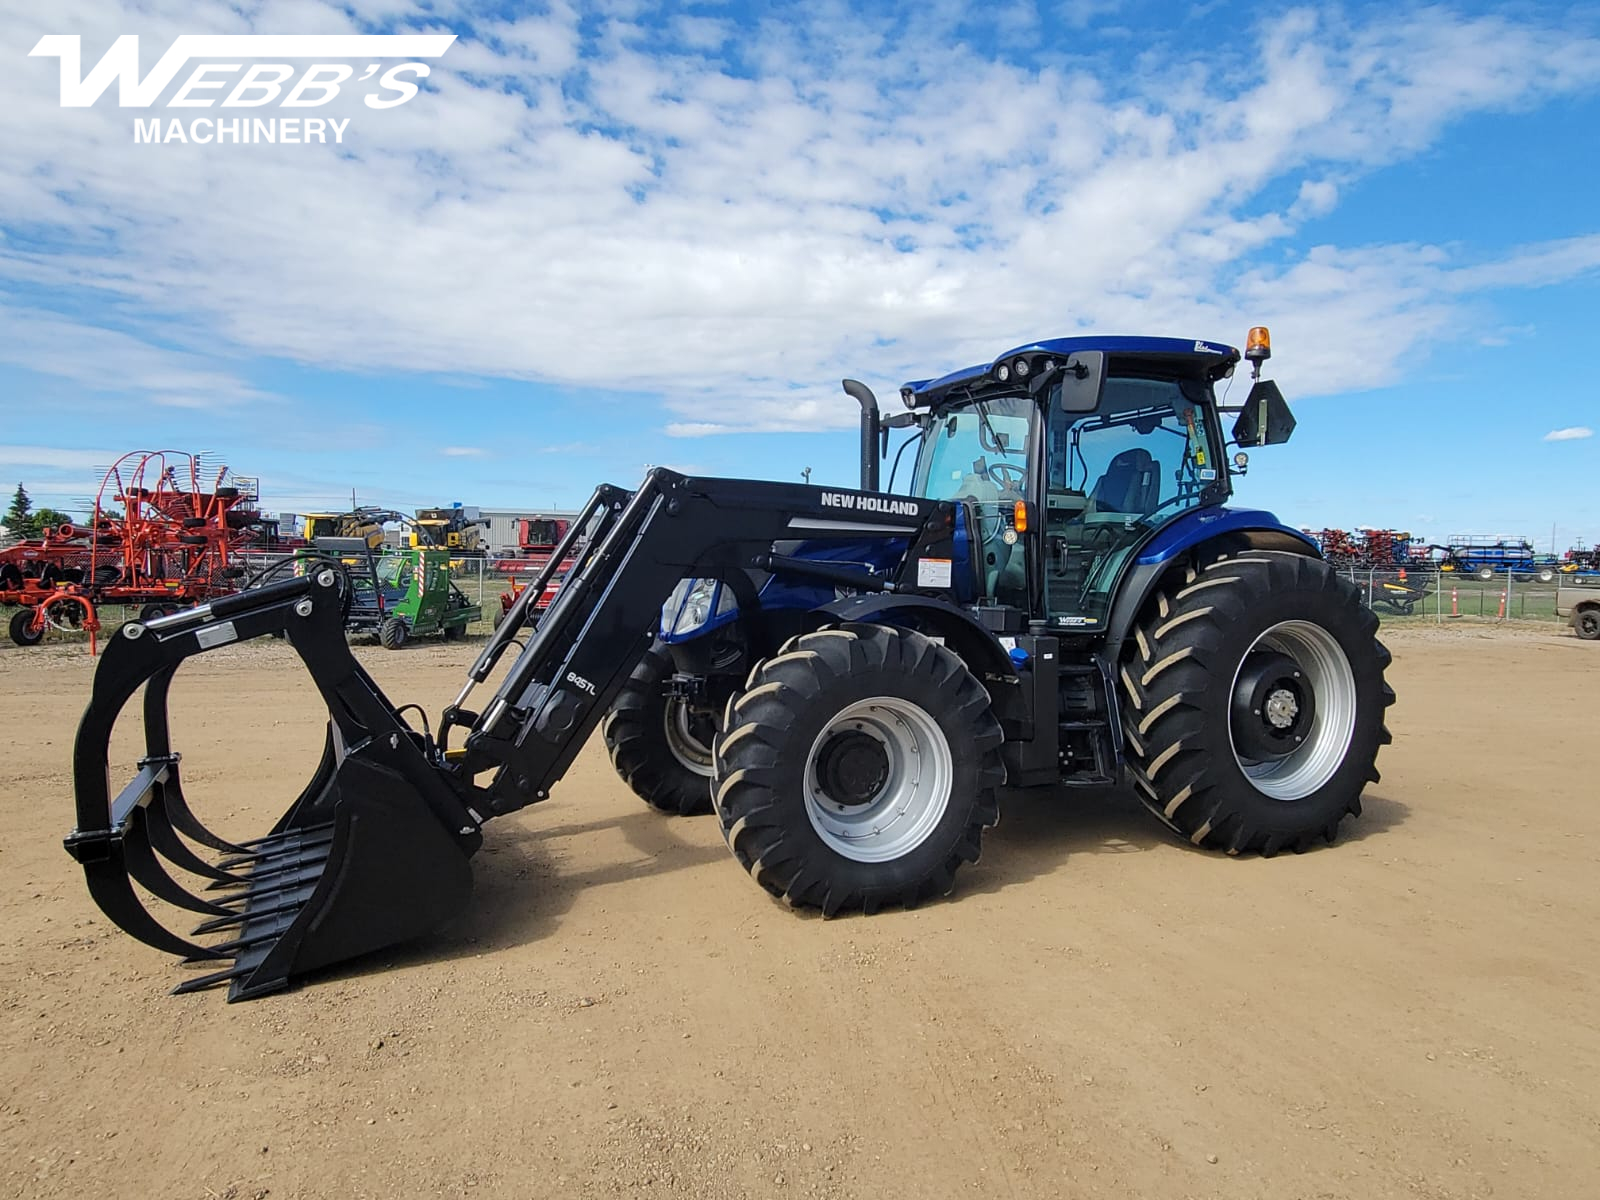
x,y
961,631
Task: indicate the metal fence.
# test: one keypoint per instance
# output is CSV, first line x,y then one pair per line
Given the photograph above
x,y
1413,596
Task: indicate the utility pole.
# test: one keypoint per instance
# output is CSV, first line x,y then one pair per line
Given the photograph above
x,y
806,474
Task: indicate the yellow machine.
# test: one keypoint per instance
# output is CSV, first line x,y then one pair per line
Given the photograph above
x,y
447,528
364,523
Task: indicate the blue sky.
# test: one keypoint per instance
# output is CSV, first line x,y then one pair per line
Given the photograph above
x,y
607,236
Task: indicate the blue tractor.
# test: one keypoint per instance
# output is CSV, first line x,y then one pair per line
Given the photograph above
x,y
851,679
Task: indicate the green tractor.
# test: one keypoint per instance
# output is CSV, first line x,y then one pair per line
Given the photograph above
x,y
400,594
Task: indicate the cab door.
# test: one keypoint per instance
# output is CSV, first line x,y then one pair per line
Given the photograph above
x,y
1114,476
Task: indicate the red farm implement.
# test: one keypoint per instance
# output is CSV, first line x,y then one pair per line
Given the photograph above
x,y
537,539
171,542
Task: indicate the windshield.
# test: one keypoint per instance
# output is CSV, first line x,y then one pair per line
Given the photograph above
x,y
978,451
394,572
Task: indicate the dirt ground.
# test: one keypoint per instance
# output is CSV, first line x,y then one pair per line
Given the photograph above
x,y
1098,1011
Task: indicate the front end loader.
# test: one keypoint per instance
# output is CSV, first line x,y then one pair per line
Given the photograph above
x,y
850,678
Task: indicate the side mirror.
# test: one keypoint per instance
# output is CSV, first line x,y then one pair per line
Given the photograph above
x,y
1265,419
1081,380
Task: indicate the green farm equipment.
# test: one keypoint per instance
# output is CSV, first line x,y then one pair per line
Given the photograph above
x,y
399,594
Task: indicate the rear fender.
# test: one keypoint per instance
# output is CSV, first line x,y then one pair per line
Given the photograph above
x,y
1166,554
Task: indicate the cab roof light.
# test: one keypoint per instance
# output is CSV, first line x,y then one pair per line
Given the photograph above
x,y
1258,348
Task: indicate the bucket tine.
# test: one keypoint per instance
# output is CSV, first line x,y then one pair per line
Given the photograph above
x,y
279,924
264,881
146,869
239,918
166,842
208,981
274,887
281,849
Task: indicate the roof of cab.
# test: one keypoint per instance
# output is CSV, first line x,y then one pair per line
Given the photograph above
x,y
1206,354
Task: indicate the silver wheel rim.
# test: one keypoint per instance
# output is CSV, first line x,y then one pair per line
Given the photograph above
x,y
1333,684
915,793
690,752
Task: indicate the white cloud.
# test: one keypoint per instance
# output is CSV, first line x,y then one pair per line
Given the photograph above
x,y
463,452
633,213
1572,433
111,360
52,458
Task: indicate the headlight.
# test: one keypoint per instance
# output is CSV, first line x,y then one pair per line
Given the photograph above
x,y
692,603
696,608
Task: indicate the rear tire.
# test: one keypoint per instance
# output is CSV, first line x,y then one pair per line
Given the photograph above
x,y
22,632
660,746
1253,703
859,768
1486,574
392,633
1587,624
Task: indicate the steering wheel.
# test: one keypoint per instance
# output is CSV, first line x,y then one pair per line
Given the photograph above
x,y
1009,476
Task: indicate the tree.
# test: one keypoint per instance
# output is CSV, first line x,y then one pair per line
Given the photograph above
x,y
19,517
49,518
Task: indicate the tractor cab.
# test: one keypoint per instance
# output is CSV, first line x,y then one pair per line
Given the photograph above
x,y
1069,455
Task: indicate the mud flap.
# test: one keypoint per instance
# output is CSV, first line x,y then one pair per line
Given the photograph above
x,y
373,852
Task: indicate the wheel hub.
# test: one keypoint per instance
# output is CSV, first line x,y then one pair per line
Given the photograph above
x,y
1281,708
1273,708
852,768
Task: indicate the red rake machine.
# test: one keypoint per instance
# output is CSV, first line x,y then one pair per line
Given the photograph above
x,y
173,543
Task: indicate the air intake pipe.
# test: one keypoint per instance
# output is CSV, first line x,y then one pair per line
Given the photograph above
x,y
870,427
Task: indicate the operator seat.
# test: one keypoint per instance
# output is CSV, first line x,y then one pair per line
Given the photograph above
x,y
1131,485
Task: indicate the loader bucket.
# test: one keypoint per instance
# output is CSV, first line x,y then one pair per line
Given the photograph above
x,y
374,851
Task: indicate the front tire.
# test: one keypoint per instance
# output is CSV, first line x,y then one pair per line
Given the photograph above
x,y
392,633
1587,624
1253,703
660,745
859,768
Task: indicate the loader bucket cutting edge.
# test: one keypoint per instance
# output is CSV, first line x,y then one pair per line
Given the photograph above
x,y
374,850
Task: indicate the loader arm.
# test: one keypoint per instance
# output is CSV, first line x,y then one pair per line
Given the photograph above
x,y
375,850
609,606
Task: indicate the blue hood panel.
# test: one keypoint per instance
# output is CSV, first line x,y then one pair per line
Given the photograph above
x,y
883,555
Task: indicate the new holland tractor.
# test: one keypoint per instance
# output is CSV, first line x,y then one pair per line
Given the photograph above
x,y
850,678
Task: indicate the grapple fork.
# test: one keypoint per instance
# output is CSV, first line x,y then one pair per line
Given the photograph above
x,y
374,851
